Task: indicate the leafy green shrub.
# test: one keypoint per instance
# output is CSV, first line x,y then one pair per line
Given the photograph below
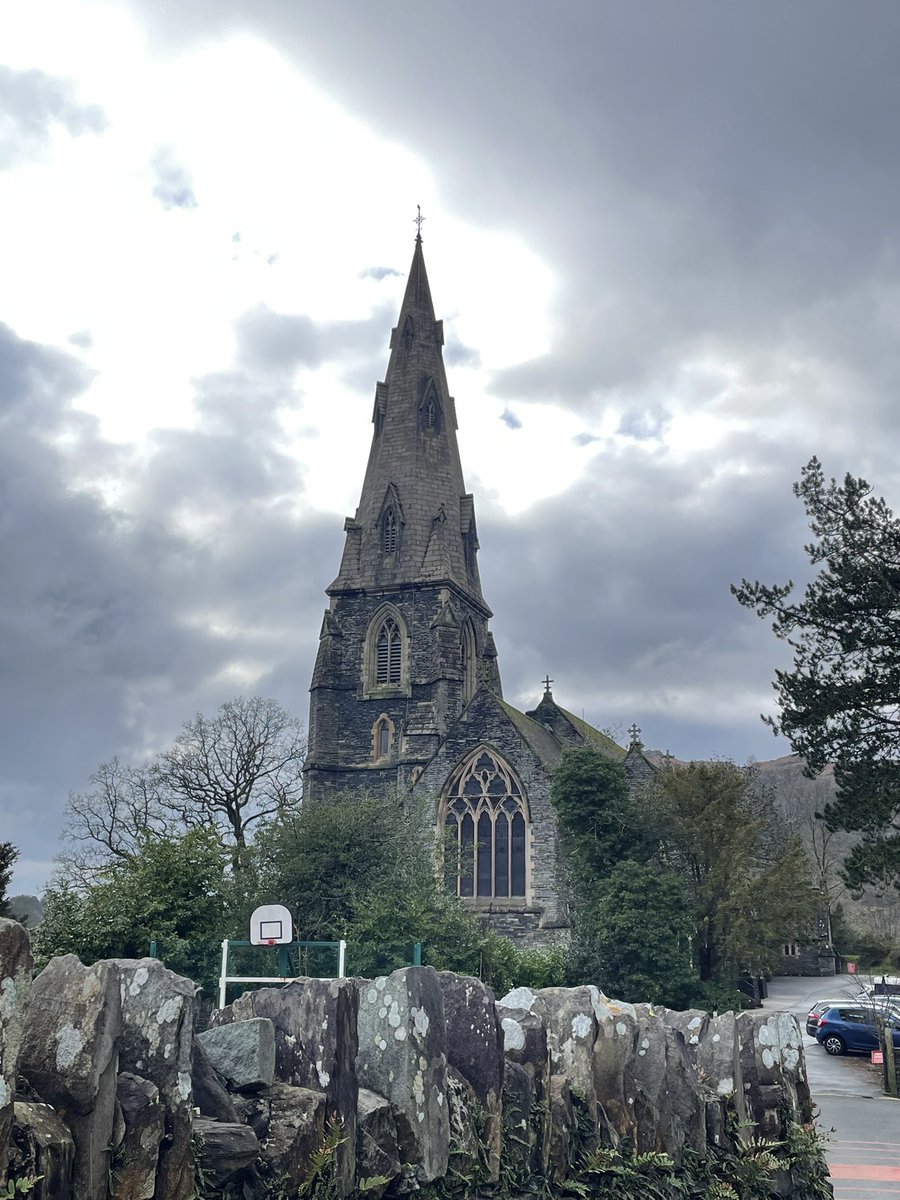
x,y
504,966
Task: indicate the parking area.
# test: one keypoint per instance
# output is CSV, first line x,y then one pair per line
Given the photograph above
x,y
863,1124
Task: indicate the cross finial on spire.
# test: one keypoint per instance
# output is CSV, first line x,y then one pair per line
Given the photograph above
x,y
546,682
635,737
418,219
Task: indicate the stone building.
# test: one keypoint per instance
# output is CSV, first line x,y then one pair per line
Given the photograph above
x,y
406,689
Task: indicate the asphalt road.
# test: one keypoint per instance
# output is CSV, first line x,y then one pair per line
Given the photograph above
x,y
863,1125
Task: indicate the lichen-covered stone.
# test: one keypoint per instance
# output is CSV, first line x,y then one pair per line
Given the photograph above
x,y
675,1104
525,1046
773,1070
402,1056
475,1050
613,1057
718,1058
563,1144
70,1056
571,1022
157,1044
226,1149
297,1128
137,1154
468,1155
15,992
521,1154
243,1052
42,1148
315,1047
376,1144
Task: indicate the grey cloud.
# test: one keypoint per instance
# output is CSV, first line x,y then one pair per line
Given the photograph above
x,y
628,592
172,185
30,103
380,273
275,341
458,355
117,622
715,191
81,338
510,419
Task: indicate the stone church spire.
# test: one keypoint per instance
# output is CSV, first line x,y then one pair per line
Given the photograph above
x,y
405,646
415,522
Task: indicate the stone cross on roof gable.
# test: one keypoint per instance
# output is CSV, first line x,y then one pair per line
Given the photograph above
x,y
546,682
635,737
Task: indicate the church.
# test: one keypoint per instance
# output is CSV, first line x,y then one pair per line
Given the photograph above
x,y
406,690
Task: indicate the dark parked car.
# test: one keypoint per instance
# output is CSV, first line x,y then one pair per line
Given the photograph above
x,y
852,1028
812,1020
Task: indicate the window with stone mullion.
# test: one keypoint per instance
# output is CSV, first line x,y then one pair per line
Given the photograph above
x,y
485,820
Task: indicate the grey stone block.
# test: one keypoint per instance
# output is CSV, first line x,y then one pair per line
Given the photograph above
x,y
243,1053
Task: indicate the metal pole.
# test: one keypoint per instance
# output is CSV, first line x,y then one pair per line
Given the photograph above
x,y
342,957
224,973
417,954
284,962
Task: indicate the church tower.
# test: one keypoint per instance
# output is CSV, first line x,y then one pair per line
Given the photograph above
x,y
404,643
406,690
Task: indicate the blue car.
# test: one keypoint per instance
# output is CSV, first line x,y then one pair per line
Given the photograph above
x,y
853,1028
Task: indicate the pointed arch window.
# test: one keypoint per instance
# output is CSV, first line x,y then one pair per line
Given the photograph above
x,y
382,737
389,653
389,532
487,826
386,656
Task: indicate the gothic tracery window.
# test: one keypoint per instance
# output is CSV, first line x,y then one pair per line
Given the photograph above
x,y
487,824
388,653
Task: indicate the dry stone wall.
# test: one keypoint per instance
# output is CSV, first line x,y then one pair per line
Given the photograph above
x,y
417,1081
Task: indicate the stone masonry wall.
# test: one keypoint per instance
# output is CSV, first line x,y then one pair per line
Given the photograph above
x,y
375,1087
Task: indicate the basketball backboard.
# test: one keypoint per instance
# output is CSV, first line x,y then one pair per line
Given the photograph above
x,y
271,925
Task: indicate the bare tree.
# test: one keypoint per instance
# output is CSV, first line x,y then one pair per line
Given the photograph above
x,y
107,822
234,769
229,771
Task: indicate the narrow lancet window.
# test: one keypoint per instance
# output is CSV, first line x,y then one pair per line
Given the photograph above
x,y
382,737
389,532
467,661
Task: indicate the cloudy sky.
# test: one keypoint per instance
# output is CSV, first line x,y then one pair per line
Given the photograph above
x,y
664,241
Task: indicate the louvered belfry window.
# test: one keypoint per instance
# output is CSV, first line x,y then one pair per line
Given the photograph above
x,y
486,823
388,653
389,533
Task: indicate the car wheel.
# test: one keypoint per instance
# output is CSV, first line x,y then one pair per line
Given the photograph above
x,y
834,1044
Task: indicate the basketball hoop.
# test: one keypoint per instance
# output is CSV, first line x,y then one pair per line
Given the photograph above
x,y
270,925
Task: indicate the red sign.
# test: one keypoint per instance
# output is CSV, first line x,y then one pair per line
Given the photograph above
x,y
877,1057
851,968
